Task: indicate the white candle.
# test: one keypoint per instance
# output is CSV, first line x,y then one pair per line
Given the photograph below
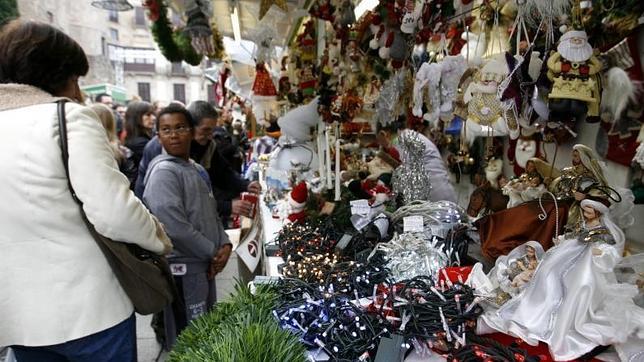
x,y
320,153
327,146
337,170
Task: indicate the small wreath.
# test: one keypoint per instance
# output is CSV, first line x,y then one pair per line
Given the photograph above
x,y
174,44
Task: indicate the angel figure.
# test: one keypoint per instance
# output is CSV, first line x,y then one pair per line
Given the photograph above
x,y
573,301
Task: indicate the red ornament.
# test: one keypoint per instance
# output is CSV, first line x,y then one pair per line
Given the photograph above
x,y
263,85
153,7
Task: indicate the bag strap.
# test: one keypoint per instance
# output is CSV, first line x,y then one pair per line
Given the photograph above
x,y
62,128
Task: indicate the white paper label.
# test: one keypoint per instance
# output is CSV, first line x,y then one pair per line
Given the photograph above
x,y
382,223
360,207
413,224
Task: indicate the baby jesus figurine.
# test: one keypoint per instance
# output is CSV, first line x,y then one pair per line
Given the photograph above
x,y
534,188
527,264
526,188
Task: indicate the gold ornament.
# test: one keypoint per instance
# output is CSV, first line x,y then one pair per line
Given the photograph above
x,y
265,5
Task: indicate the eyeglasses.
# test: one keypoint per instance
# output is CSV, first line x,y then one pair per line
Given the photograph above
x,y
170,131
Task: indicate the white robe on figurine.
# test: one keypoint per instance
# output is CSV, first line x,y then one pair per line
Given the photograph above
x,y
573,302
442,189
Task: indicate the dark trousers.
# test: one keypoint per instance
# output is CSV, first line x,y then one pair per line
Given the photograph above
x,y
115,344
197,295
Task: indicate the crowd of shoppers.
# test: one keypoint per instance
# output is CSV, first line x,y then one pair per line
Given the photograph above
x,y
60,300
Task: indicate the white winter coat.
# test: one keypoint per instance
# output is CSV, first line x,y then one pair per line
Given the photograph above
x,y
55,284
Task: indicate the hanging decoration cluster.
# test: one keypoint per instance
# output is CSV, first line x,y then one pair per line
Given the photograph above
x,y
190,43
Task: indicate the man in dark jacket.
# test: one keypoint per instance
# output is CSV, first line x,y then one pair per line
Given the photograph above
x,y
227,184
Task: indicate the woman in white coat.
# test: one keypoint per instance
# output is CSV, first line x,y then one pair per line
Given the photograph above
x,y
59,299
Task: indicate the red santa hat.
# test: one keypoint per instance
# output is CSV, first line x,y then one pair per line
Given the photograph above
x,y
298,196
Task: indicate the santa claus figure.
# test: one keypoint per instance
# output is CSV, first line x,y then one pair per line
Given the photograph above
x,y
297,202
572,69
521,150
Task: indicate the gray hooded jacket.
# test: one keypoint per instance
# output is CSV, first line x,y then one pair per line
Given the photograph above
x,y
178,193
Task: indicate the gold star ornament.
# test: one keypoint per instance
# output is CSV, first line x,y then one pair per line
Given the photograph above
x,y
265,5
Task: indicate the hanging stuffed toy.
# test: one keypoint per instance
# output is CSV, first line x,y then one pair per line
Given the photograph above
x,y
621,135
426,87
307,42
284,83
572,69
452,69
412,15
475,47
622,110
485,113
264,94
307,80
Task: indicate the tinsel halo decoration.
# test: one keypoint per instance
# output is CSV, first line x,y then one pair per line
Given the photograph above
x,y
411,179
175,45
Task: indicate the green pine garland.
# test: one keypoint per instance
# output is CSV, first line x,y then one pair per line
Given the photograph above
x,y
8,10
174,44
241,329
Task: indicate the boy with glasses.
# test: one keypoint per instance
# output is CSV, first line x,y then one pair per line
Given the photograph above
x,y
227,184
178,191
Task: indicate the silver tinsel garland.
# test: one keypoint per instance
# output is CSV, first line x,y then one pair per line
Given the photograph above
x,y
412,254
411,179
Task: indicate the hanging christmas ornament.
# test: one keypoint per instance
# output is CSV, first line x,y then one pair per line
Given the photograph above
x,y
413,12
452,69
264,94
387,104
265,5
573,69
485,113
323,9
263,36
474,49
347,13
198,26
307,42
427,93
398,52
284,84
307,80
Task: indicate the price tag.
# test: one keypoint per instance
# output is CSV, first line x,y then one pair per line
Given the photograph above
x,y
360,207
344,241
413,224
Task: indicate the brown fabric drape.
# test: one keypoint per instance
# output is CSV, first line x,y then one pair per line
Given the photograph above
x,y
504,230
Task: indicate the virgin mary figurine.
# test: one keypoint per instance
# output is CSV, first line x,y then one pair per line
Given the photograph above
x,y
573,301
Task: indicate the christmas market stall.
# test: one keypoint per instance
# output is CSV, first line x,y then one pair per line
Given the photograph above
x,y
453,180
